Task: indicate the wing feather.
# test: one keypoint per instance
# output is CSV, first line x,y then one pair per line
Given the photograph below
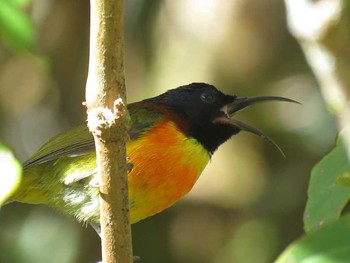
x,y
79,141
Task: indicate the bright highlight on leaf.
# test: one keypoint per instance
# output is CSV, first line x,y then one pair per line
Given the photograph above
x,y
10,173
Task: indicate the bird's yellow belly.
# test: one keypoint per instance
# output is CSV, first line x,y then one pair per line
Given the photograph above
x,y
166,166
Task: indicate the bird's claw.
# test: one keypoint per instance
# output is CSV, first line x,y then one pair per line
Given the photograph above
x,y
95,182
129,164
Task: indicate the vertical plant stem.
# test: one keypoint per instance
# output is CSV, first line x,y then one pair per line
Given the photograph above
x,y
108,121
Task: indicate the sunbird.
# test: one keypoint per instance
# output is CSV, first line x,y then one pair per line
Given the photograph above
x,y
172,138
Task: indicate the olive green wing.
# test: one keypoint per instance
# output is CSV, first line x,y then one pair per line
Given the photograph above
x,y
74,142
142,119
79,141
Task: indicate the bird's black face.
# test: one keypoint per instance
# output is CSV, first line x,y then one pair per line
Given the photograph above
x,y
199,103
207,112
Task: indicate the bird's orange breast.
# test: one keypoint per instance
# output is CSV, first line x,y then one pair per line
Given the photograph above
x,y
166,166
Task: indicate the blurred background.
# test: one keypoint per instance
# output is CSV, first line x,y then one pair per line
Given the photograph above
x,y
248,204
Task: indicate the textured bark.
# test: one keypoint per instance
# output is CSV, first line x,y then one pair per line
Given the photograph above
x,y
107,120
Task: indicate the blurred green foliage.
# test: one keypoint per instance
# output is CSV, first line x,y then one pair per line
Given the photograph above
x,y
16,27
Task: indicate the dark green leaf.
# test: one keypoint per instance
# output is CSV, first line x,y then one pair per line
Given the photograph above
x,y
326,196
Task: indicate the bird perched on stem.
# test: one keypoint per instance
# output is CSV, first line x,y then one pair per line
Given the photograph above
x,y
172,138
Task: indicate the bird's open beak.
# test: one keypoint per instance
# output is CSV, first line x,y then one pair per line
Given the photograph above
x,y
240,103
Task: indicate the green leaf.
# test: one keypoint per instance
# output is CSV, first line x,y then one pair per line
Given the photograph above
x,y
10,173
16,27
327,194
329,244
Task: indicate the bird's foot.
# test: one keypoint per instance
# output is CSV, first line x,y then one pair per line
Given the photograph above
x,y
95,182
129,165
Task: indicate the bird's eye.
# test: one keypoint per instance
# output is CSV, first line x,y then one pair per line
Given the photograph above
x,y
207,97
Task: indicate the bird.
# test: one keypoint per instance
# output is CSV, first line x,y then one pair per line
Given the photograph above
x,y
172,138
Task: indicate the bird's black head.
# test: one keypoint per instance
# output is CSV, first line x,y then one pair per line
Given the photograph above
x,y
206,113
